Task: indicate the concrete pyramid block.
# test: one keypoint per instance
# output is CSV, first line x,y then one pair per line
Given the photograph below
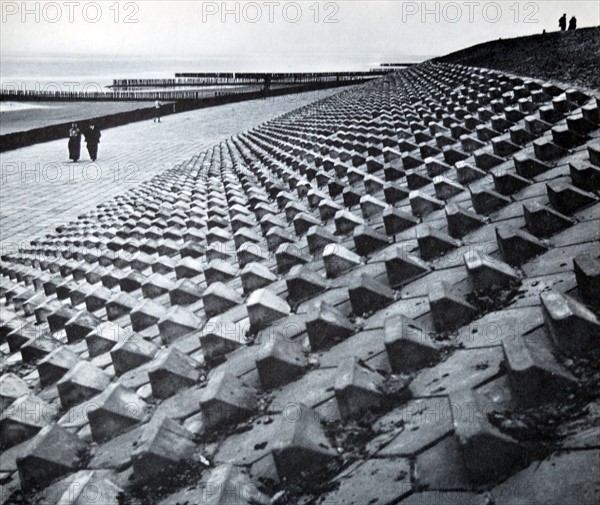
x,y
327,325
486,160
53,452
396,221
164,449
177,322
23,418
478,438
188,267
227,400
393,192
219,271
408,346
220,336
300,445
145,314
250,252
572,326
156,285
328,209
131,352
55,365
303,222
58,318
371,206
111,278
402,267
140,261
79,326
535,375
278,360
544,221
507,183
82,382
461,221
219,298
104,337
304,283
423,204
485,201
115,411
529,167
318,238
568,199
38,348
337,259
367,294
185,292
97,298
219,252
12,387
172,371
265,307
486,273
163,265
217,236
131,281
449,311
518,246
346,221
585,176
269,223
357,388
255,276
244,235
121,304
587,272
416,179
288,255
466,173
446,188
368,240
434,243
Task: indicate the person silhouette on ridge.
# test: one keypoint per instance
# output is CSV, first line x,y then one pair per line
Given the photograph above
x,y
562,22
573,23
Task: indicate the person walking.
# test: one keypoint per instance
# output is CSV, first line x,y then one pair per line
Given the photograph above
x,y
157,106
74,142
92,139
573,23
562,22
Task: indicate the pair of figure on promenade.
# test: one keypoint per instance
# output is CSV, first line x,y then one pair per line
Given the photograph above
x,y
92,139
562,23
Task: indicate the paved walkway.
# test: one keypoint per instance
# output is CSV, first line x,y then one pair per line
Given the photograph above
x,y
41,188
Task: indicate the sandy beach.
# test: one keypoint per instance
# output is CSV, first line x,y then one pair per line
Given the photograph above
x,y
20,116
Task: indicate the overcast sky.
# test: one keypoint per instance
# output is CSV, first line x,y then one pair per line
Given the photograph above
x,y
278,31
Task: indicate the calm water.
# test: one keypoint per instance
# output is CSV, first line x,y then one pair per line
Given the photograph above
x,y
79,73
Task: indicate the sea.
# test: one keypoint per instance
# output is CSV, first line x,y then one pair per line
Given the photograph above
x,y
95,73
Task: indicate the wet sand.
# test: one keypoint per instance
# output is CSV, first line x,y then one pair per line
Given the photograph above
x,y
23,116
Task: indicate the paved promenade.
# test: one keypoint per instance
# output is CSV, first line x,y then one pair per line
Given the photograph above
x,y
41,188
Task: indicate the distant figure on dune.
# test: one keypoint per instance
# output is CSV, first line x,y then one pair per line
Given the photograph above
x,y
562,22
573,23
74,142
92,139
157,106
